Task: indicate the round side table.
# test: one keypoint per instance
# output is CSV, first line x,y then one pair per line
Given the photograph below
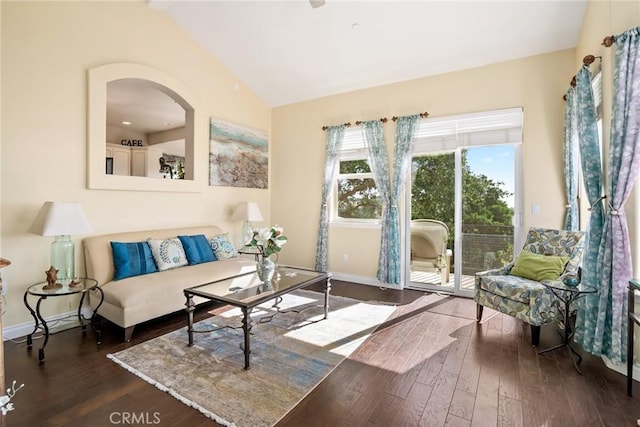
x,y
78,286
567,295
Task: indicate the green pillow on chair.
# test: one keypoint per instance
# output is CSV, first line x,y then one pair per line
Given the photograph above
x,y
539,267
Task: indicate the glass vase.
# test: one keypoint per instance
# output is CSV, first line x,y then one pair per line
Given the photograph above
x,y
265,269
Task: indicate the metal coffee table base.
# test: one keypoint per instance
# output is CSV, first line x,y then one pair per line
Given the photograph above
x,y
247,323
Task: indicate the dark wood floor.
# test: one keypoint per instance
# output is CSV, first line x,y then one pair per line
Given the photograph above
x,y
429,365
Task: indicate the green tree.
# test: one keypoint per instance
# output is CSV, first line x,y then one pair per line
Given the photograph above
x,y
432,194
357,197
483,205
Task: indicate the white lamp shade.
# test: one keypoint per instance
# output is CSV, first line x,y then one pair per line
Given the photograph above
x,y
60,218
247,211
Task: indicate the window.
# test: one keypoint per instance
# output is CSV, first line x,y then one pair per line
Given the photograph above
x,y
355,196
596,86
583,199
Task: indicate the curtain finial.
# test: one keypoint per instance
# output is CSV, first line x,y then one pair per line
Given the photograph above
x,y
608,41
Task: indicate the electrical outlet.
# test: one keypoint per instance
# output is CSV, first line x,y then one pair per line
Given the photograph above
x,y
345,258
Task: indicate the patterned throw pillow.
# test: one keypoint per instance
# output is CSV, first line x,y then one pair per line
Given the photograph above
x,y
197,249
222,247
132,259
168,253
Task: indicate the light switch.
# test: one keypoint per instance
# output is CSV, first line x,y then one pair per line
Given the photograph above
x,y
535,209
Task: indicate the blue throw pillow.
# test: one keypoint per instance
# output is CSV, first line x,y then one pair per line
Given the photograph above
x,y
197,249
132,259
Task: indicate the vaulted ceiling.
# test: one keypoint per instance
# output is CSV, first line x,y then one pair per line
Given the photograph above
x,y
287,51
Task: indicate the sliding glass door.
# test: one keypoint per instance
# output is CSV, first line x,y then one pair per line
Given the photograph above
x,y
432,225
488,208
463,207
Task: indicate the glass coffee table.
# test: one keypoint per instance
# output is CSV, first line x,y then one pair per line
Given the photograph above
x,y
246,291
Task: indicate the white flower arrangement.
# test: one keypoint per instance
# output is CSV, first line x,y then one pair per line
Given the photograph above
x,y
5,405
267,241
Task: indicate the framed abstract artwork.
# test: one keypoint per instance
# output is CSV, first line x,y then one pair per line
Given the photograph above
x,y
238,156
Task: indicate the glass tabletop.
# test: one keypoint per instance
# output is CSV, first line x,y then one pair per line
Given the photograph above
x,y
66,287
247,288
561,286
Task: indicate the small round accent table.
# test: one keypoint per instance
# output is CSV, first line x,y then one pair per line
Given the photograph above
x,y
78,286
567,294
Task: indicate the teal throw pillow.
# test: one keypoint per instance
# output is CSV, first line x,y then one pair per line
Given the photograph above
x,y
539,267
197,249
222,247
132,259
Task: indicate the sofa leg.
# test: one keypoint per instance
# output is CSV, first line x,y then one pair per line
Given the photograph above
x,y
479,312
128,333
535,335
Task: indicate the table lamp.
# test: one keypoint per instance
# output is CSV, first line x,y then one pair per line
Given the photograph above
x,y
247,212
61,219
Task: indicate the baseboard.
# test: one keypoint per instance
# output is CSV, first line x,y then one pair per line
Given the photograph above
x,y
363,280
622,369
22,329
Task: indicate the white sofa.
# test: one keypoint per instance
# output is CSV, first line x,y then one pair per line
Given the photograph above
x,y
133,300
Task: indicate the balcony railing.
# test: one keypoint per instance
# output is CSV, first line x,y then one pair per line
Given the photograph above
x,y
485,247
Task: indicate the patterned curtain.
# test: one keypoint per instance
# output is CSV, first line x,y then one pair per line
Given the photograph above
x,y
335,136
379,164
592,172
405,130
614,260
570,157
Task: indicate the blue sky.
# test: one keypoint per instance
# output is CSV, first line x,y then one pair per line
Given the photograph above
x,y
496,163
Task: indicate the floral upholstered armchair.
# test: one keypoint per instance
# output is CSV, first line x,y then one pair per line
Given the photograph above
x,y
523,296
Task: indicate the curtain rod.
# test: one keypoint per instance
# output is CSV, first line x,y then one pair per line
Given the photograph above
x,y
383,120
608,41
587,60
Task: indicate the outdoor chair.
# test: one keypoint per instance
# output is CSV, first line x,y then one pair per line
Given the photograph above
x,y
523,296
429,247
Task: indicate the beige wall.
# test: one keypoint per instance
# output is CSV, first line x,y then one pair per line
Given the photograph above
x,y
47,48
535,83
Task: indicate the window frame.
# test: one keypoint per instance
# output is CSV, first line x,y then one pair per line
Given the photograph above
x,y
353,149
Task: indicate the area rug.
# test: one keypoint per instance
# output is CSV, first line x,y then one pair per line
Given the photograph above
x,y
290,354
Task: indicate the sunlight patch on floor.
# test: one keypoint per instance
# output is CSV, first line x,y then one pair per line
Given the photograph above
x,y
345,329
433,278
